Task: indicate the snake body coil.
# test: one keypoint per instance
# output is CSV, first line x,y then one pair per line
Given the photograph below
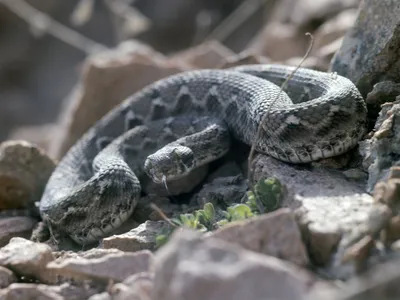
x,y
181,122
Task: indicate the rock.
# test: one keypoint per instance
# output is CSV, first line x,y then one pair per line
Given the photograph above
x,y
89,254
331,210
246,57
278,42
208,55
382,92
303,13
333,29
139,238
115,267
15,227
144,211
6,277
275,234
369,51
138,286
222,190
22,291
380,151
108,79
214,269
41,135
380,282
27,259
315,63
24,171
101,296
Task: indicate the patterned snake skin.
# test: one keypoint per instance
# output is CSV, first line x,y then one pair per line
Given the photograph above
x,y
184,121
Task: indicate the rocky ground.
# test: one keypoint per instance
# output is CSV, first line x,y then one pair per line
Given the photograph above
x,y
327,230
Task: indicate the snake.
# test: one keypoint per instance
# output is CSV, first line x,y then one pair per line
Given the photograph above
x,y
176,125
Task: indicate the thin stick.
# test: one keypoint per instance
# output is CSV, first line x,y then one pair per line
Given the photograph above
x,y
41,21
161,213
264,118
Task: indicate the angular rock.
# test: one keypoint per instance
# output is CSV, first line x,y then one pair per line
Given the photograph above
x,y
333,29
108,79
25,291
15,227
278,42
6,277
380,282
382,92
115,267
380,151
22,291
191,267
101,296
138,286
226,190
140,238
369,51
246,57
89,254
24,171
303,13
27,259
208,55
40,135
330,209
275,234
144,211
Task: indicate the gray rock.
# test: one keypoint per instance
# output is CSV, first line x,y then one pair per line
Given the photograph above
x,y
101,296
135,287
139,238
333,29
275,234
381,150
24,171
115,267
6,277
191,267
27,259
369,51
22,291
25,291
380,282
207,55
223,190
15,227
303,12
329,209
384,91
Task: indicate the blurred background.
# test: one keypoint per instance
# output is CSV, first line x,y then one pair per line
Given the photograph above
x,y
43,43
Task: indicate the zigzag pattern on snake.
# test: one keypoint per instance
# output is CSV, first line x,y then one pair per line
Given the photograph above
x,y
179,123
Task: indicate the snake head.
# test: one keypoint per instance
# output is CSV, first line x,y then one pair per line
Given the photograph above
x,y
169,163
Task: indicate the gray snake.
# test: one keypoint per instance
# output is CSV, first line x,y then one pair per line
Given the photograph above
x,y
179,123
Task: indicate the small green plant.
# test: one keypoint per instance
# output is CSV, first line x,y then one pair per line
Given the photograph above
x,y
269,193
267,196
235,213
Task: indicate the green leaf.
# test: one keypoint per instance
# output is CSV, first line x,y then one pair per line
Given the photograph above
x,y
209,211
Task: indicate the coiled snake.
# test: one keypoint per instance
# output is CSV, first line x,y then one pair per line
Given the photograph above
x,y
179,123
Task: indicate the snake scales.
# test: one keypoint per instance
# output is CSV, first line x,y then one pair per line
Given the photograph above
x,y
184,121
